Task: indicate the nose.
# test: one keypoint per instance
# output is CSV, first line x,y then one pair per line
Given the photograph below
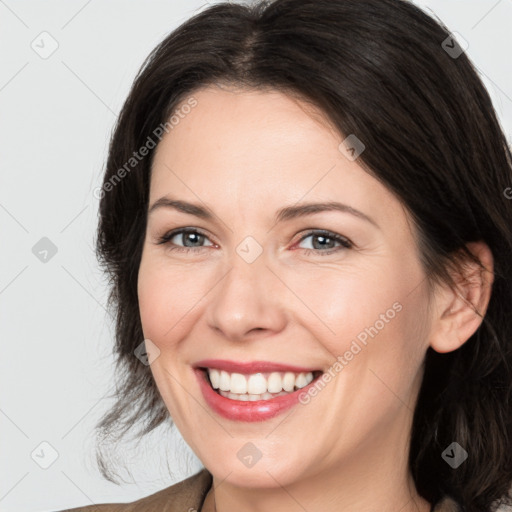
x,y
248,301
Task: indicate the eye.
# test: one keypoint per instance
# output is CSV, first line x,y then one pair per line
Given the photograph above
x,y
324,242
188,235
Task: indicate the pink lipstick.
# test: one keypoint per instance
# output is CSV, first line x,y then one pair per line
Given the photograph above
x,y
257,410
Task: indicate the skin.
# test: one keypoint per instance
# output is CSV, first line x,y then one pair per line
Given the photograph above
x,y
245,154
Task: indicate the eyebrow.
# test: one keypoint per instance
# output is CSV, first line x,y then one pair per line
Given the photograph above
x,y
284,214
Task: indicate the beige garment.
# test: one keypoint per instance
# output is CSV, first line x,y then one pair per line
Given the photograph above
x,y
194,494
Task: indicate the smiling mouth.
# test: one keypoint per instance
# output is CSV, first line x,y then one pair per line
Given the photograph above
x,y
257,386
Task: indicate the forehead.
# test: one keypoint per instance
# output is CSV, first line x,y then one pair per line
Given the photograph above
x,y
265,147
247,124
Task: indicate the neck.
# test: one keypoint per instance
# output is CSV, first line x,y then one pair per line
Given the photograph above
x,y
377,478
314,496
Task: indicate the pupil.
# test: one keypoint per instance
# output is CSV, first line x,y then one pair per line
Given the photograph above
x,y
194,235
323,238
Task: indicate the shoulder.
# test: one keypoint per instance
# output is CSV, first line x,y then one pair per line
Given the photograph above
x,y
184,496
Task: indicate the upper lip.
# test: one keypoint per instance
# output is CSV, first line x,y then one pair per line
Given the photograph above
x,y
248,367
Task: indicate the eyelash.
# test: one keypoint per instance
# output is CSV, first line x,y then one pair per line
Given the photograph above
x,y
345,242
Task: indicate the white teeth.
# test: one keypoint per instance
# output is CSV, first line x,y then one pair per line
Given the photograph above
x,y
225,381
238,383
214,378
253,387
301,381
289,381
275,383
257,384
251,398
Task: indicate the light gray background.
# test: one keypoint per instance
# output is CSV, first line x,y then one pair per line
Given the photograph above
x,y
56,117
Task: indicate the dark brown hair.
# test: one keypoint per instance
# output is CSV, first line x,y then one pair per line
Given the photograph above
x,y
382,70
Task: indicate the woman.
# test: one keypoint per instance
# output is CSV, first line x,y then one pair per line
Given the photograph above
x,y
305,218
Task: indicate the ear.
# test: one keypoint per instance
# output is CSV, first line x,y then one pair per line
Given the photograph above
x,y
459,312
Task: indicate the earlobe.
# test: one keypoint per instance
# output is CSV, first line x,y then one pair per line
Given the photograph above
x,y
460,312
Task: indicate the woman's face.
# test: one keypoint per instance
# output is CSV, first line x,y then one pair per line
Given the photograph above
x,y
247,284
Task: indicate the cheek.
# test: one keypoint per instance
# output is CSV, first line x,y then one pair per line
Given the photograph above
x,y
166,300
342,303
377,349
373,317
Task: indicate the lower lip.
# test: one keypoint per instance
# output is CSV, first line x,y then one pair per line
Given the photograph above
x,y
259,410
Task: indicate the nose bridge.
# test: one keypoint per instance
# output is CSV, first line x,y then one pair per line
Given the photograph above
x,y
247,297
